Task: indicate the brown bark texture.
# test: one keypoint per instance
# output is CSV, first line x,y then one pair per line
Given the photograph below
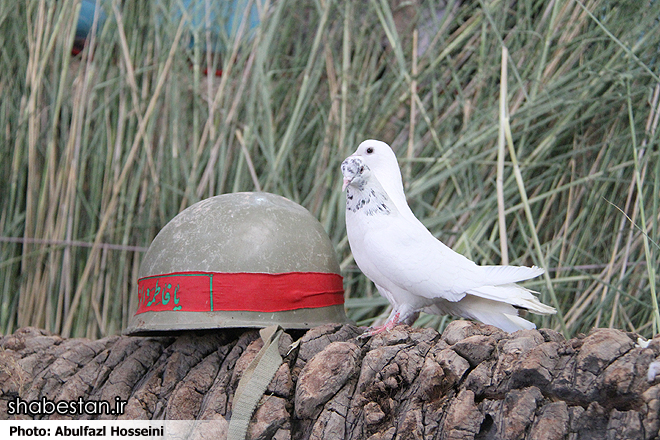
x,y
473,381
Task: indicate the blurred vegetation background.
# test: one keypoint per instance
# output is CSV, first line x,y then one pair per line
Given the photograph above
x,y
100,150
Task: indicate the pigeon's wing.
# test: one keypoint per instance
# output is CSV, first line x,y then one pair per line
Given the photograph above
x,y
414,260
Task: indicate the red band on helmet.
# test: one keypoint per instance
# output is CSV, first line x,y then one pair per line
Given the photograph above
x,y
257,292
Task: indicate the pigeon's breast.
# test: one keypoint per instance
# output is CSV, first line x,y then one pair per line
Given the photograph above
x,y
367,202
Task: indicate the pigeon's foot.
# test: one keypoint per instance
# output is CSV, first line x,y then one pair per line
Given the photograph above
x,y
373,331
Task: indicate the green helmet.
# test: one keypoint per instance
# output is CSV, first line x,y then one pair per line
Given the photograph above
x,y
239,260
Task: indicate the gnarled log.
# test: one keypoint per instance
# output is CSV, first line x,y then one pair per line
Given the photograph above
x,y
472,382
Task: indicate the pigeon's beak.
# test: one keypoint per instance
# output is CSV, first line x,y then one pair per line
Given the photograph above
x,y
350,168
345,184
347,180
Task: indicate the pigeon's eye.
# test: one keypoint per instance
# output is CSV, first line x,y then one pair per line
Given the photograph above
x,y
370,150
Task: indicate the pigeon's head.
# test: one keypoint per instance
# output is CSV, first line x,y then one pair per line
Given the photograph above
x,y
377,155
355,171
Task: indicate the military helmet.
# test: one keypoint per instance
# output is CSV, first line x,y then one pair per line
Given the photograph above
x,y
239,260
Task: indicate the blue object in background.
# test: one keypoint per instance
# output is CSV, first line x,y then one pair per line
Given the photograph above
x,y
85,23
224,18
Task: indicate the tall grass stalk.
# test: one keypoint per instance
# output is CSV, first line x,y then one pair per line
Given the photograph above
x,y
100,150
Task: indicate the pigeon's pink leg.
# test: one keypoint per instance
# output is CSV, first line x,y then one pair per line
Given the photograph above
x,y
389,325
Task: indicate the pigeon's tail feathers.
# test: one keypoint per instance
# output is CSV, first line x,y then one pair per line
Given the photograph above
x,y
515,295
499,314
496,313
507,322
497,275
519,323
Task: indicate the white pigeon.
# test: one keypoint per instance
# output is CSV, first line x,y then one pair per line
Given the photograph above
x,y
409,266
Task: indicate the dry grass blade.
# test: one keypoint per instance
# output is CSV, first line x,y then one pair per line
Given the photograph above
x,y
501,219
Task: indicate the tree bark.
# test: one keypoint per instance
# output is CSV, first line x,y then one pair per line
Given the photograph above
x,y
472,382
